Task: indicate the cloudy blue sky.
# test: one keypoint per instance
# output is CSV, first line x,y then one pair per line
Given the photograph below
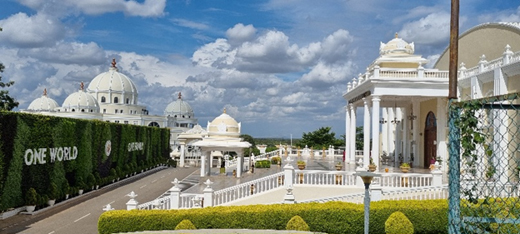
x,y
278,66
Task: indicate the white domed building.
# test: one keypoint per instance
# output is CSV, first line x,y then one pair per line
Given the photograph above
x,y
43,103
113,97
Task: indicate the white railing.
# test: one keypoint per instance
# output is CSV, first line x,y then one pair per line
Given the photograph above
x,y
188,200
157,204
424,193
313,177
436,74
491,189
403,180
353,198
247,189
398,74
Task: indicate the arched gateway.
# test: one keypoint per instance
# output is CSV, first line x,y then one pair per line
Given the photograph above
x,y
430,139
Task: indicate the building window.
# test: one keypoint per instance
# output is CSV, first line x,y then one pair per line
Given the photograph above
x,y
82,110
103,99
127,101
117,121
121,111
73,110
104,110
116,100
116,111
126,122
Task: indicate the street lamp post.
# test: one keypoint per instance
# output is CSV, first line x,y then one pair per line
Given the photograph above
x,y
367,179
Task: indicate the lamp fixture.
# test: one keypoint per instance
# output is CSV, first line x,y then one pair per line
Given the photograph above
x,y
412,117
382,121
395,121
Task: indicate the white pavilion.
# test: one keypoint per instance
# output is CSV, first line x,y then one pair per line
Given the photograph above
x,y
404,105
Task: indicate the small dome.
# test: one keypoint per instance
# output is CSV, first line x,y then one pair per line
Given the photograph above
x,y
80,101
224,125
396,46
43,103
179,109
113,81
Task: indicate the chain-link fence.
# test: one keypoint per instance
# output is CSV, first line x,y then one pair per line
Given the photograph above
x,y
484,165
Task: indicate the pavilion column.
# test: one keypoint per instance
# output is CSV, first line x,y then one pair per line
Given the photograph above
x,y
352,132
391,134
347,136
375,128
183,154
415,132
208,159
211,159
240,163
366,133
406,147
203,164
442,146
384,128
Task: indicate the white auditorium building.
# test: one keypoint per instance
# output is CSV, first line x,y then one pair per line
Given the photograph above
x,y
113,97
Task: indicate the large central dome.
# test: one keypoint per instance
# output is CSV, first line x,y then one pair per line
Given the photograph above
x,y
113,87
396,46
179,109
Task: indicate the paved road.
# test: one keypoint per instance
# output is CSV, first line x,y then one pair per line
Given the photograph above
x,y
80,215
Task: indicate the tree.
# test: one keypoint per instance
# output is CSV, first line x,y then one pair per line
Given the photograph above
x,y
322,137
253,149
359,138
6,101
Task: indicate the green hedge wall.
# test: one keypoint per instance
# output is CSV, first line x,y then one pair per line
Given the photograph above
x,y
21,132
430,216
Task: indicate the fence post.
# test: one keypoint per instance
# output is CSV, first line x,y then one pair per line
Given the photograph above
x,y
376,192
288,170
132,204
175,195
437,177
208,194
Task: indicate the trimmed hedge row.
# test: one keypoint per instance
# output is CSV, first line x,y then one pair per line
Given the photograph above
x,y
430,216
24,136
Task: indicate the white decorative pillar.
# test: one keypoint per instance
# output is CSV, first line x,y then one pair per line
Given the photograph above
x,y
175,195
208,160
384,128
288,171
347,135
352,132
405,149
208,194
240,163
203,164
415,131
391,134
375,129
132,203
501,135
442,120
183,154
211,159
366,133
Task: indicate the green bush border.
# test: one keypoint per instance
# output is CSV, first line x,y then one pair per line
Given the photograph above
x,y
429,216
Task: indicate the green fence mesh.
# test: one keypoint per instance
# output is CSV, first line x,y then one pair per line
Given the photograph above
x,y
484,165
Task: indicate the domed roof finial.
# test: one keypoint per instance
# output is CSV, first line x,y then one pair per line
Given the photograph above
x,y
114,63
81,86
224,110
180,95
396,35
45,92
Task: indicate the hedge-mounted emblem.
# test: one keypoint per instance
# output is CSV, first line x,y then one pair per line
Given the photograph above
x,y
108,148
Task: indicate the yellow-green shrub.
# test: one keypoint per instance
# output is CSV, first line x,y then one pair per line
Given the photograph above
x,y
398,223
185,225
297,223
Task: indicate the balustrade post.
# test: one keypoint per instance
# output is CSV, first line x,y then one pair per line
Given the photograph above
x,y
507,55
132,204
376,192
175,195
420,71
437,177
208,194
288,173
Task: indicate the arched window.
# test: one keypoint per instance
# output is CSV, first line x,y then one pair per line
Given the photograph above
x,y
103,99
153,124
116,100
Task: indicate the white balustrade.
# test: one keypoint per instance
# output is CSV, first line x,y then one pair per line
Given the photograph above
x,y
408,180
243,190
314,177
157,204
424,193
